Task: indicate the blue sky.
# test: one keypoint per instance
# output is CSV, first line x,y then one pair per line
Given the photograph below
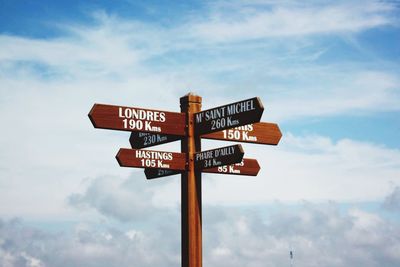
x,y
326,72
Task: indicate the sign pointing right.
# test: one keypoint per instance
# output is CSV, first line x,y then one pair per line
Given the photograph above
x,y
249,167
228,116
218,157
259,133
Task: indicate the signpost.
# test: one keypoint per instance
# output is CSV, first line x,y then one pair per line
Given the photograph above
x,y
237,121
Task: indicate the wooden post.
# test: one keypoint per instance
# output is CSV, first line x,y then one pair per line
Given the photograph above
x,y
191,188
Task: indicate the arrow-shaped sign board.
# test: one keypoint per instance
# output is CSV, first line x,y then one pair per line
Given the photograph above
x,y
142,140
151,159
137,119
218,157
249,167
259,133
228,116
158,173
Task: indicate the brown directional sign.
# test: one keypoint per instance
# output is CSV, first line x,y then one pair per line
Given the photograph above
x,y
249,167
151,159
158,173
259,133
218,157
142,140
228,116
137,119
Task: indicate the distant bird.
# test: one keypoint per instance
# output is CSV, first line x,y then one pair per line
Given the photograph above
x,y
291,257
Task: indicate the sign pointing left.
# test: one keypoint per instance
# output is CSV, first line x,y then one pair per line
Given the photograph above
x,y
137,119
151,159
142,140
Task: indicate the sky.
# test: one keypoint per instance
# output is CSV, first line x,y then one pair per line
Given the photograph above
x,y
328,72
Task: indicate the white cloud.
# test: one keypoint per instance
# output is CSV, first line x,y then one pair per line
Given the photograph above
x,y
266,21
31,261
392,201
318,235
312,168
341,93
126,201
47,86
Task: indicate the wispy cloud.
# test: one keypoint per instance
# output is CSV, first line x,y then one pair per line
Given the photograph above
x,y
272,20
337,93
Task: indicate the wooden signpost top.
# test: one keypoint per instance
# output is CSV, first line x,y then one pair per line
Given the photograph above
x,y
137,119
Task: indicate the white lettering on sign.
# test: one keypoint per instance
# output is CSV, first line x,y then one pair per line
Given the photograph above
x,y
161,172
215,113
146,154
139,119
226,116
143,134
240,133
230,168
153,159
240,107
154,139
140,114
220,152
205,155
210,157
225,151
211,115
209,163
248,127
199,117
